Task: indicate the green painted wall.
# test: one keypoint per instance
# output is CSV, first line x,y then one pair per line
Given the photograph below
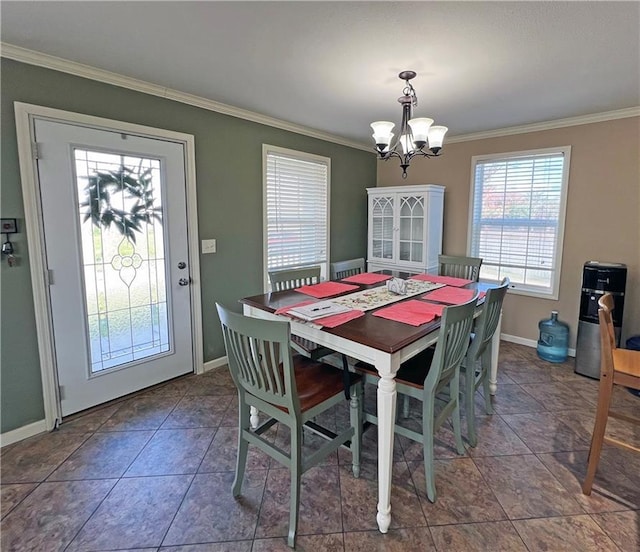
x,y
229,187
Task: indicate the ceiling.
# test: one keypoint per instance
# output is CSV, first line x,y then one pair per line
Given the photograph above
x,y
332,66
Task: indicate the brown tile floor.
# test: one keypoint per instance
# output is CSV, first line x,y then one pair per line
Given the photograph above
x,y
153,472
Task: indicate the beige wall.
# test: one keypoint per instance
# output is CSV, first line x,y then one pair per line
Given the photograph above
x,y
603,211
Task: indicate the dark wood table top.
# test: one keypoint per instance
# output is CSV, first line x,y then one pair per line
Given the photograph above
x,y
372,331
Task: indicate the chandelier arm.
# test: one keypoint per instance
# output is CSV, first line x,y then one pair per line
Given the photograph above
x,y
389,154
422,153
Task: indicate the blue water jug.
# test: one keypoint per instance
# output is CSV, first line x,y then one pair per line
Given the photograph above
x,y
553,345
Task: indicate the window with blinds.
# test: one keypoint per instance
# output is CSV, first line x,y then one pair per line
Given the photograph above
x,y
517,215
296,209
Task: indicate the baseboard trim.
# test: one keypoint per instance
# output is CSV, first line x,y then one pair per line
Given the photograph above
x,y
40,426
527,342
23,432
215,363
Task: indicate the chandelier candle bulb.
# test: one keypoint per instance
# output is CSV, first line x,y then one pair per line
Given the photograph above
x,y
382,133
420,128
405,141
436,136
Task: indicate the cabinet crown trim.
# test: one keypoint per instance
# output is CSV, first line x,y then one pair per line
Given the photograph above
x,y
433,188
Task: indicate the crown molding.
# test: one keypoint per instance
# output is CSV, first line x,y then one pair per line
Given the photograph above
x,y
549,125
47,61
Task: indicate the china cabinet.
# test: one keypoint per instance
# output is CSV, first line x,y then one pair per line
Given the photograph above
x,y
405,228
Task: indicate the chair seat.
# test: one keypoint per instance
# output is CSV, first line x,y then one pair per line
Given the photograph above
x,y
627,361
412,372
316,381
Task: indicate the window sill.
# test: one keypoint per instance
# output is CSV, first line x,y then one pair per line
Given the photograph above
x,y
550,295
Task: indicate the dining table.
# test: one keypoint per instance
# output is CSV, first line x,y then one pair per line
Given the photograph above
x,y
384,343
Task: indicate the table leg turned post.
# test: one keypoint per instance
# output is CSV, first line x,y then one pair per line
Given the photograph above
x,y
254,419
387,396
495,352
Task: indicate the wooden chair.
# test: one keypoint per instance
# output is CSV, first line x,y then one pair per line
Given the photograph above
x,y
617,367
344,269
433,371
282,280
477,363
289,389
460,267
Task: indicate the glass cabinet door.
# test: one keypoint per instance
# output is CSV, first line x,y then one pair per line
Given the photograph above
x,y
411,224
382,227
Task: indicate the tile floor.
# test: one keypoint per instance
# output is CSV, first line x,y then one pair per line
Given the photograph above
x,y
154,471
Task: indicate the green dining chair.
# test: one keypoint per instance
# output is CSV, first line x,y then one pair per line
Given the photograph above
x,y
344,269
434,371
282,280
460,267
477,363
290,389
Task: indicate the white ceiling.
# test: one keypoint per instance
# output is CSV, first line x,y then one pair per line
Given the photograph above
x,y
332,66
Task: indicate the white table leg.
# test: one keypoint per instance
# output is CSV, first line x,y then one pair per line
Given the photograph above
x,y
387,396
495,351
254,420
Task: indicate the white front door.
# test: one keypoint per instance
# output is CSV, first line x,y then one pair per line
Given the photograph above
x,y
115,233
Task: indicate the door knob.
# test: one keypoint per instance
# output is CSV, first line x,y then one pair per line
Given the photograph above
x,y
183,282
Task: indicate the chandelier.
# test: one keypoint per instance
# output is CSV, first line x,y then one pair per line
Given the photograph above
x,y
414,133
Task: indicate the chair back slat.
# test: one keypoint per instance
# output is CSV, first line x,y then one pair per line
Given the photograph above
x,y
452,344
282,280
344,269
487,323
259,358
460,267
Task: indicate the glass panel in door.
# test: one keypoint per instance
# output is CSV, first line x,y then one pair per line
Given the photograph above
x,y
411,228
123,257
382,227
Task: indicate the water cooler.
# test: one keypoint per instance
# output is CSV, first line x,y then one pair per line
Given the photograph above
x,y
597,279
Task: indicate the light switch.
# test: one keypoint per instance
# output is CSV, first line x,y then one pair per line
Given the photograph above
x,y
208,246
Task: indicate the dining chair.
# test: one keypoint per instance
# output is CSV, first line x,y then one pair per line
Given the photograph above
x,y
477,362
290,389
617,367
344,269
434,371
459,267
282,280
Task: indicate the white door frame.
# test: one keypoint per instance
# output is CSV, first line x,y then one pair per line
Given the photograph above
x,y
27,153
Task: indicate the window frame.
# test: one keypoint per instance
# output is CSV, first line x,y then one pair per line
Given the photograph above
x,y
306,157
552,292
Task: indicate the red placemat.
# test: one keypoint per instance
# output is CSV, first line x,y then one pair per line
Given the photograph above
x,y
367,278
326,289
411,312
449,280
450,295
338,319
436,308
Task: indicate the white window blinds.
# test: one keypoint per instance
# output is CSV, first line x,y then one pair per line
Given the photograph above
x,y
517,217
296,209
